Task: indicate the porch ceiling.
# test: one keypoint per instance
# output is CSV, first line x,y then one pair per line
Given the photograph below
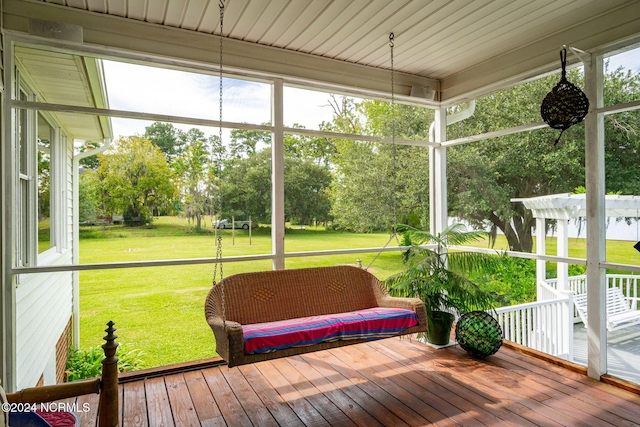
x,y
460,48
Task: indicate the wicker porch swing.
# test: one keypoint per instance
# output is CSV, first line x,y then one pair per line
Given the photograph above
x,y
265,315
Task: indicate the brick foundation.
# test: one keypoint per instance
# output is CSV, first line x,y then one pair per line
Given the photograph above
x,y
62,351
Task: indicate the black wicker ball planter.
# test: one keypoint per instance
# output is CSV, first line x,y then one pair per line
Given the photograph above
x,y
479,333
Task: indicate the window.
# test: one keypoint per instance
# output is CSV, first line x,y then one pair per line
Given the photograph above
x,y
41,177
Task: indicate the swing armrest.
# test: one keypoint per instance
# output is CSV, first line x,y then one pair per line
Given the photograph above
x,y
414,304
229,338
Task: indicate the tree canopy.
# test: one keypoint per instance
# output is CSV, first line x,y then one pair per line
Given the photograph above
x,y
135,178
365,186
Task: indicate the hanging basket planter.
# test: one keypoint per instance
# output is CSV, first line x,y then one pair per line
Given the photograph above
x,y
566,105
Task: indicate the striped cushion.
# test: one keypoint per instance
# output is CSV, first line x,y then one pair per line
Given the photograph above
x,y
369,324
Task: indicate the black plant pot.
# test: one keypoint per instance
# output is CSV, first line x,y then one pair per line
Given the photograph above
x,y
439,327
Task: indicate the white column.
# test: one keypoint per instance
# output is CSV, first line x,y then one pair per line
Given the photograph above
x,y
563,251
75,251
8,177
277,176
438,211
541,265
594,166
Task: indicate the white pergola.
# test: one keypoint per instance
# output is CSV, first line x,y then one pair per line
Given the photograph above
x,y
563,208
447,53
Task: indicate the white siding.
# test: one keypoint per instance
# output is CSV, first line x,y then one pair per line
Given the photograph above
x,y
43,309
44,301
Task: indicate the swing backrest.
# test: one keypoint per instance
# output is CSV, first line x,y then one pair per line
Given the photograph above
x,y
269,296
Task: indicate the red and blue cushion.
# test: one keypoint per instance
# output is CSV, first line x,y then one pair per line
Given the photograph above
x,y
369,324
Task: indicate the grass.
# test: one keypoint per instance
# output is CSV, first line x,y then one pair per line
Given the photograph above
x,y
160,310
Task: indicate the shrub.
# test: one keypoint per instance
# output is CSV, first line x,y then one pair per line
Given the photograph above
x,y
512,282
83,364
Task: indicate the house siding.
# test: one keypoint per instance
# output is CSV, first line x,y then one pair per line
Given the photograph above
x,y
43,309
44,302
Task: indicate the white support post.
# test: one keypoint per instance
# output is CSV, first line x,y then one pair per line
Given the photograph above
x,y
541,265
277,176
595,175
563,251
439,214
75,251
8,176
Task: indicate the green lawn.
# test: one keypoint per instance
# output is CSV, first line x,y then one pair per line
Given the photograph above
x,y
160,310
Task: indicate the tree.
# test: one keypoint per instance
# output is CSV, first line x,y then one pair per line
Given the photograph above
x,y
483,177
306,191
88,208
195,171
622,131
135,178
315,149
375,184
246,188
165,136
245,143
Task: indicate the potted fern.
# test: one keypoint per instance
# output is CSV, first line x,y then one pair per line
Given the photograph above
x,y
439,277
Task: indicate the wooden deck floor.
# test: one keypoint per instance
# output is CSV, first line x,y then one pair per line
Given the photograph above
x,y
390,382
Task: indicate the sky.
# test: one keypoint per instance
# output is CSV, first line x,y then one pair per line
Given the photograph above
x,y
178,93
162,91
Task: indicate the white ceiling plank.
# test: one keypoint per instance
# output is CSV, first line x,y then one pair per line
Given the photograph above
x,y
80,4
210,18
284,22
266,21
156,11
97,6
546,21
408,24
516,21
137,9
174,15
370,37
372,18
117,7
478,18
466,44
251,14
301,30
334,17
194,14
232,14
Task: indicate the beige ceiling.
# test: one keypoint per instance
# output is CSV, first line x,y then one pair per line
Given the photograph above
x,y
467,46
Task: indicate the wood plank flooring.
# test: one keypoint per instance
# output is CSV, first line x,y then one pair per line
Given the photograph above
x,y
392,382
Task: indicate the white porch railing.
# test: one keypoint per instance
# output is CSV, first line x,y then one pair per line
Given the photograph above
x,y
543,325
628,283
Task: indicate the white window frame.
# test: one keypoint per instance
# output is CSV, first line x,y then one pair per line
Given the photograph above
x,y
27,190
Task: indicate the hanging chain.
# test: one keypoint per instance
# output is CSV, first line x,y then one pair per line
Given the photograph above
x,y
393,139
393,160
218,261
